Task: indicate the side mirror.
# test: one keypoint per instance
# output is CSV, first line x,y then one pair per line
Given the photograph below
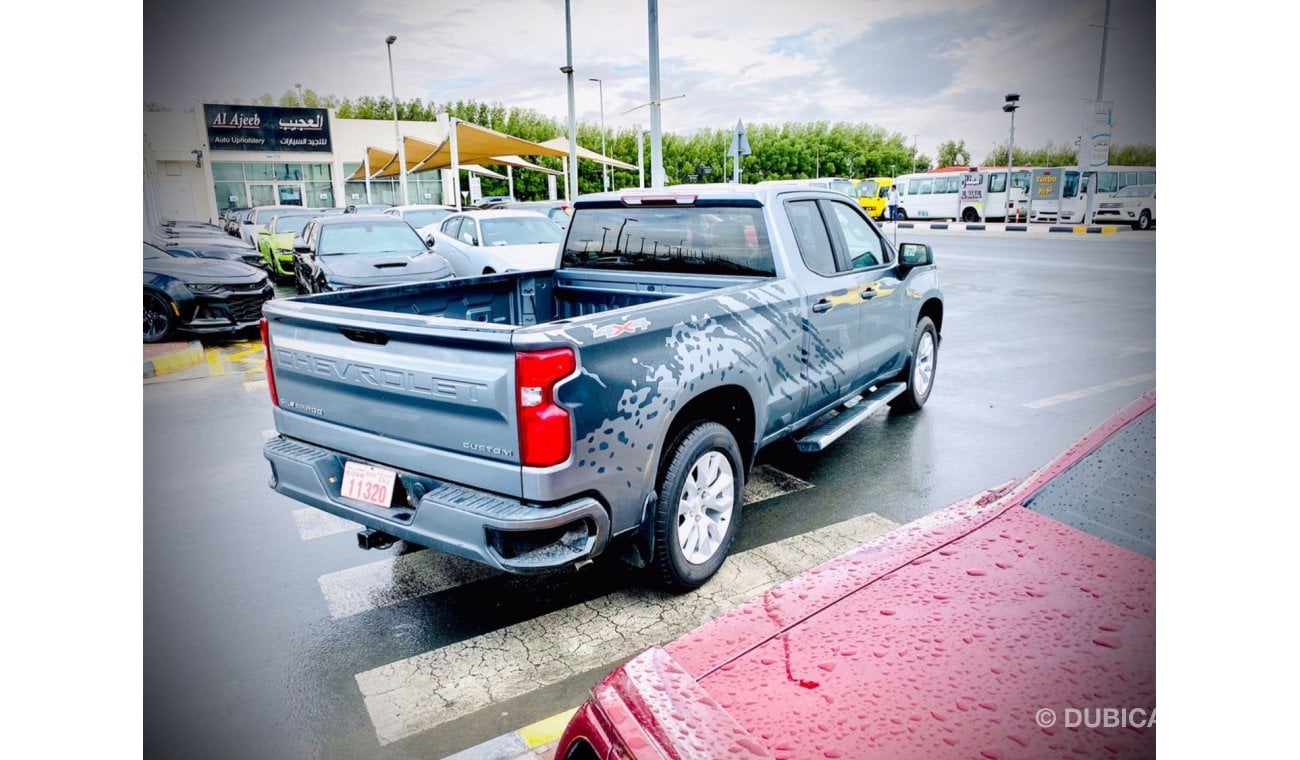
x,y
915,255
300,246
430,243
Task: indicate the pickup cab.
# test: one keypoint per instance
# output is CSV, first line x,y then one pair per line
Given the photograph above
x,y
614,403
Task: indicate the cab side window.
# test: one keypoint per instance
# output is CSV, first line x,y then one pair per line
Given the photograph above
x,y
810,233
863,247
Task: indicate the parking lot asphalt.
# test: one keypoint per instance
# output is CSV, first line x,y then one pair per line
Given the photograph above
x,y
183,359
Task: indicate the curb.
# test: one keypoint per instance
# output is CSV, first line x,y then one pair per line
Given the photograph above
x,y
174,361
536,740
1078,229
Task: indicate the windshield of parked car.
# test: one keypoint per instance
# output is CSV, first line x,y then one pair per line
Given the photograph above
x,y
688,240
519,231
425,216
369,237
154,252
294,224
1136,191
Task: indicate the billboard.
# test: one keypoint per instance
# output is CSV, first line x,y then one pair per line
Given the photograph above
x,y
1094,144
267,128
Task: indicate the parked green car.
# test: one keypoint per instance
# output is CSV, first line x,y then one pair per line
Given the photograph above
x,y
275,243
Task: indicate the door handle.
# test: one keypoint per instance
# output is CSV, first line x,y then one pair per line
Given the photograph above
x,y
868,294
822,306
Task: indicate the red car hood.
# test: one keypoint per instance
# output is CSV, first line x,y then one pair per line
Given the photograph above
x,y
948,637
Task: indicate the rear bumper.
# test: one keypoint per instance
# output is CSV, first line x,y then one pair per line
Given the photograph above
x,y
501,532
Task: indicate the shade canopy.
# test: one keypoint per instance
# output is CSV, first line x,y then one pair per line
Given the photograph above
x,y
474,144
379,159
476,169
520,163
562,143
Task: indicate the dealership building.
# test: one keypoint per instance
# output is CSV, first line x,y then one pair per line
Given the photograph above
x,y
221,156
226,156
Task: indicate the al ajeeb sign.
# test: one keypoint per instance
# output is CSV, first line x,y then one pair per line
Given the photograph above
x,y
267,128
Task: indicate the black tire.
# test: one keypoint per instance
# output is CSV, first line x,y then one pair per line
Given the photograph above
x,y
159,321
902,215
969,215
489,270
919,376
704,454
1144,221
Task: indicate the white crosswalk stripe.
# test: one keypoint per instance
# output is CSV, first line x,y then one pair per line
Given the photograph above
x,y
314,523
422,692
397,579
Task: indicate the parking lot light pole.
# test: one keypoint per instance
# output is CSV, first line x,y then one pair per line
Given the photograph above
x,y
604,168
1010,106
397,132
301,102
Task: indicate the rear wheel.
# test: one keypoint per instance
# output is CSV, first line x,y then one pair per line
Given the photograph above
x,y
158,319
699,502
919,373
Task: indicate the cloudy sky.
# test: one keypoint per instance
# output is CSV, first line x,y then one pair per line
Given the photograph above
x,y
936,69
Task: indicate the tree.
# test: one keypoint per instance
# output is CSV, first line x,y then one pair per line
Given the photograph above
x,y
953,154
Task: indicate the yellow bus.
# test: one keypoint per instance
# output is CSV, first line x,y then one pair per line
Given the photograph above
x,y
872,194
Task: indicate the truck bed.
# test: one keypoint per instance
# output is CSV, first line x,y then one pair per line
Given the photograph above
x,y
522,299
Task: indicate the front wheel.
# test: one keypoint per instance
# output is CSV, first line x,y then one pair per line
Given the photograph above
x,y
902,215
158,319
699,502
970,215
1144,221
919,373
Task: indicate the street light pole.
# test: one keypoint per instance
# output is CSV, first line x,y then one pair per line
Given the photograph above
x,y
397,132
1010,106
567,68
604,168
657,178
301,102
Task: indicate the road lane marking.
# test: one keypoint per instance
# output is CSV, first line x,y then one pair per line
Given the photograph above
x,y
1093,391
766,482
215,367
419,693
314,523
397,579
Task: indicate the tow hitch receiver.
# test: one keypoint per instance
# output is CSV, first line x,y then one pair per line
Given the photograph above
x,y
373,539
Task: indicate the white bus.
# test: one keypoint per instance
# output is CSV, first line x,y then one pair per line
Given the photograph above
x,y
971,194
839,184
1072,205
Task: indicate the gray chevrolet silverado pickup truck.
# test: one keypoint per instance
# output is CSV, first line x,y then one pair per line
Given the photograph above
x,y
533,420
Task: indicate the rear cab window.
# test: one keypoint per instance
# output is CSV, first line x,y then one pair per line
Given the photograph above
x,y
725,237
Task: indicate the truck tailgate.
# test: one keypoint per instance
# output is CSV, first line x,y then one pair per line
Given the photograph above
x,y
398,391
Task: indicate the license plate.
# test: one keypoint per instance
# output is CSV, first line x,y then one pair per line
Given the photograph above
x,y
363,482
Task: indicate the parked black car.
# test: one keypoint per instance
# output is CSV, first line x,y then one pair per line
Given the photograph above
x,y
244,254
199,295
361,250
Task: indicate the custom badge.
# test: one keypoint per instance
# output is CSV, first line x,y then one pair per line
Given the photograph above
x,y
626,328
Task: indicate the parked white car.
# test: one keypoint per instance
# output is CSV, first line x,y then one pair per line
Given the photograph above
x,y
1134,205
257,220
483,242
422,215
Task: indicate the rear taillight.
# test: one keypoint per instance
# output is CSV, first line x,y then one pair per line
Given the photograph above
x,y
545,428
270,375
